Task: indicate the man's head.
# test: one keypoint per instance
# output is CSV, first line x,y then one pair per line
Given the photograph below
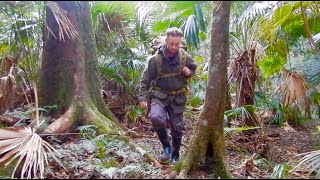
x,y
173,39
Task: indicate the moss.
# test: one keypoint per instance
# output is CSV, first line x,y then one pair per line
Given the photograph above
x,y
77,112
104,125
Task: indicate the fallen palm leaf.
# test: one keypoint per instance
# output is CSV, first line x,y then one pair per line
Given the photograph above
x,y
311,160
29,147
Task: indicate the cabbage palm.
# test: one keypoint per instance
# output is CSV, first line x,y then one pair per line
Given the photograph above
x,y
246,51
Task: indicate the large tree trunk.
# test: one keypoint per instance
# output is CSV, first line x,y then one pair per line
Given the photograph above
x,y
209,137
69,74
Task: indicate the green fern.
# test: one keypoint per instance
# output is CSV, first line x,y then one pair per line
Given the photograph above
x,y
133,113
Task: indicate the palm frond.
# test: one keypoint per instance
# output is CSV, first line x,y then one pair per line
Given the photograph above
x,y
136,64
256,10
280,171
242,111
271,65
293,89
184,8
310,162
200,17
113,13
29,147
65,26
191,30
308,66
188,15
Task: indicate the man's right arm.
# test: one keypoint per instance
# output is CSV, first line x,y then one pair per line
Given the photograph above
x,y
149,74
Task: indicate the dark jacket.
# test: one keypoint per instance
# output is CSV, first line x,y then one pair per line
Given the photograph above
x,y
169,65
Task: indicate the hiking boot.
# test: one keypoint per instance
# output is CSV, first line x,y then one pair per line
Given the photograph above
x,y
166,154
174,160
176,144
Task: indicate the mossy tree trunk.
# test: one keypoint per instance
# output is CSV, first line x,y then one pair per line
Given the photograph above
x,y
208,140
69,74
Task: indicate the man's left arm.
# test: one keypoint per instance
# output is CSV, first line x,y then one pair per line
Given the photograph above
x,y
190,63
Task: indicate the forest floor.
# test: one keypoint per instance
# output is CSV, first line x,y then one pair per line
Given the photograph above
x,y
247,156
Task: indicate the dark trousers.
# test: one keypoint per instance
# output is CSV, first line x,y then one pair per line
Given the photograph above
x,y
159,117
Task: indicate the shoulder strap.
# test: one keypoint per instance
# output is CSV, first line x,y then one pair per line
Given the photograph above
x,y
158,58
183,58
182,61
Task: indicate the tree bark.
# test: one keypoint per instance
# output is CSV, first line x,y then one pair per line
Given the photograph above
x,y
209,133
69,74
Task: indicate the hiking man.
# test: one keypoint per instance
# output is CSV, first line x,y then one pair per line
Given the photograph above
x,y
163,90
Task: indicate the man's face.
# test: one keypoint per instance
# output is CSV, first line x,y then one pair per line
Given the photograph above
x,y
173,44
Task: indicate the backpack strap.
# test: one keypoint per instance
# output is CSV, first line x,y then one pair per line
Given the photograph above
x,y
158,58
183,58
182,61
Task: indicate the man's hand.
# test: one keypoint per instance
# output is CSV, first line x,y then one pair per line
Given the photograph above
x,y
186,71
143,105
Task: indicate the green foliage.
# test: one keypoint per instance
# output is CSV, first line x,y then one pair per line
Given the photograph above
x,y
21,34
242,111
195,101
294,115
280,171
110,163
191,31
101,150
124,72
272,103
87,131
279,117
269,27
133,113
271,65
309,66
229,130
161,26
197,84
111,9
188,15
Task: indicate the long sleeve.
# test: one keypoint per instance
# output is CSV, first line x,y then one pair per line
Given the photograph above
x,y
191,65
149,74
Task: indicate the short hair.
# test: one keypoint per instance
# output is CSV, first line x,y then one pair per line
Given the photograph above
x,y
174,31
